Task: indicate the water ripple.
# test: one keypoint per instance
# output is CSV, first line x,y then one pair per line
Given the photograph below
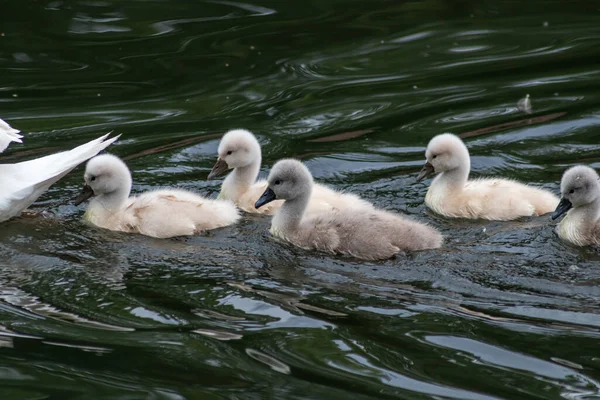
x,y
354,91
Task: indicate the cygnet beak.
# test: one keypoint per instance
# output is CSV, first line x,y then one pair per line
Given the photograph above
x,y
218,169
564,206
267,197
85,194
425,171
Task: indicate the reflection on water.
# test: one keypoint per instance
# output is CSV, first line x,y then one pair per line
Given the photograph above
x,y
354,89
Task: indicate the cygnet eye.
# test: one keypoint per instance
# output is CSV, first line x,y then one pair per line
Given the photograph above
x,y
434,156
93,178
277,182
229,152
571,191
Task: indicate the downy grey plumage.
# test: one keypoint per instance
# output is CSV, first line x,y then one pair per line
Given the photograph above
x,y
366,233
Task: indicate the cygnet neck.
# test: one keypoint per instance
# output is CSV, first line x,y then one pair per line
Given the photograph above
x,y
589,212
241,178
114,201
455,178
291,212
246,175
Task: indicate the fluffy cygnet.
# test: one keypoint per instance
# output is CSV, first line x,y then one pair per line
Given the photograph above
x,y
239,150
366,233
161,213
451,193
8,134
580,189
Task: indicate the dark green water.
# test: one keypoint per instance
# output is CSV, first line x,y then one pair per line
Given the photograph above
x,y
356,89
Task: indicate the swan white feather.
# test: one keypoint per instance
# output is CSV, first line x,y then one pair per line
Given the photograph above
x,y
8,135
22,183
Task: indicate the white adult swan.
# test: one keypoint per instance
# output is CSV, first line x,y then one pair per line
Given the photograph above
x,y
8,135
580,189
451,193
239,150
22,183
162,213
370,234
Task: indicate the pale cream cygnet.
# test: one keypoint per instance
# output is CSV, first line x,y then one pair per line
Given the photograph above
x,y
580,190
239,150
366,233
451,193
161,213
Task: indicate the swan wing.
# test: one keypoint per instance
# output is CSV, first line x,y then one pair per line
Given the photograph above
x,y
24,182
8,135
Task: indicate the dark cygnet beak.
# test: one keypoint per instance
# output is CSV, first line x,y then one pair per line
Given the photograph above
x,y
267,197
564,206
425,171
218,169
85,194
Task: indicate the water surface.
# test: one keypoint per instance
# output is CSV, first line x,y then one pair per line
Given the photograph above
x,y
355,89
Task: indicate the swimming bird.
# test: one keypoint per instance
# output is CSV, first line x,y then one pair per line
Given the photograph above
x,y
161,214
451,193
366,233
580,190
8,135
22,183
239,150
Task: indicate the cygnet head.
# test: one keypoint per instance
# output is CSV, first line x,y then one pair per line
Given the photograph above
x,y
238,148
104,175
445,152
579,186
289,179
